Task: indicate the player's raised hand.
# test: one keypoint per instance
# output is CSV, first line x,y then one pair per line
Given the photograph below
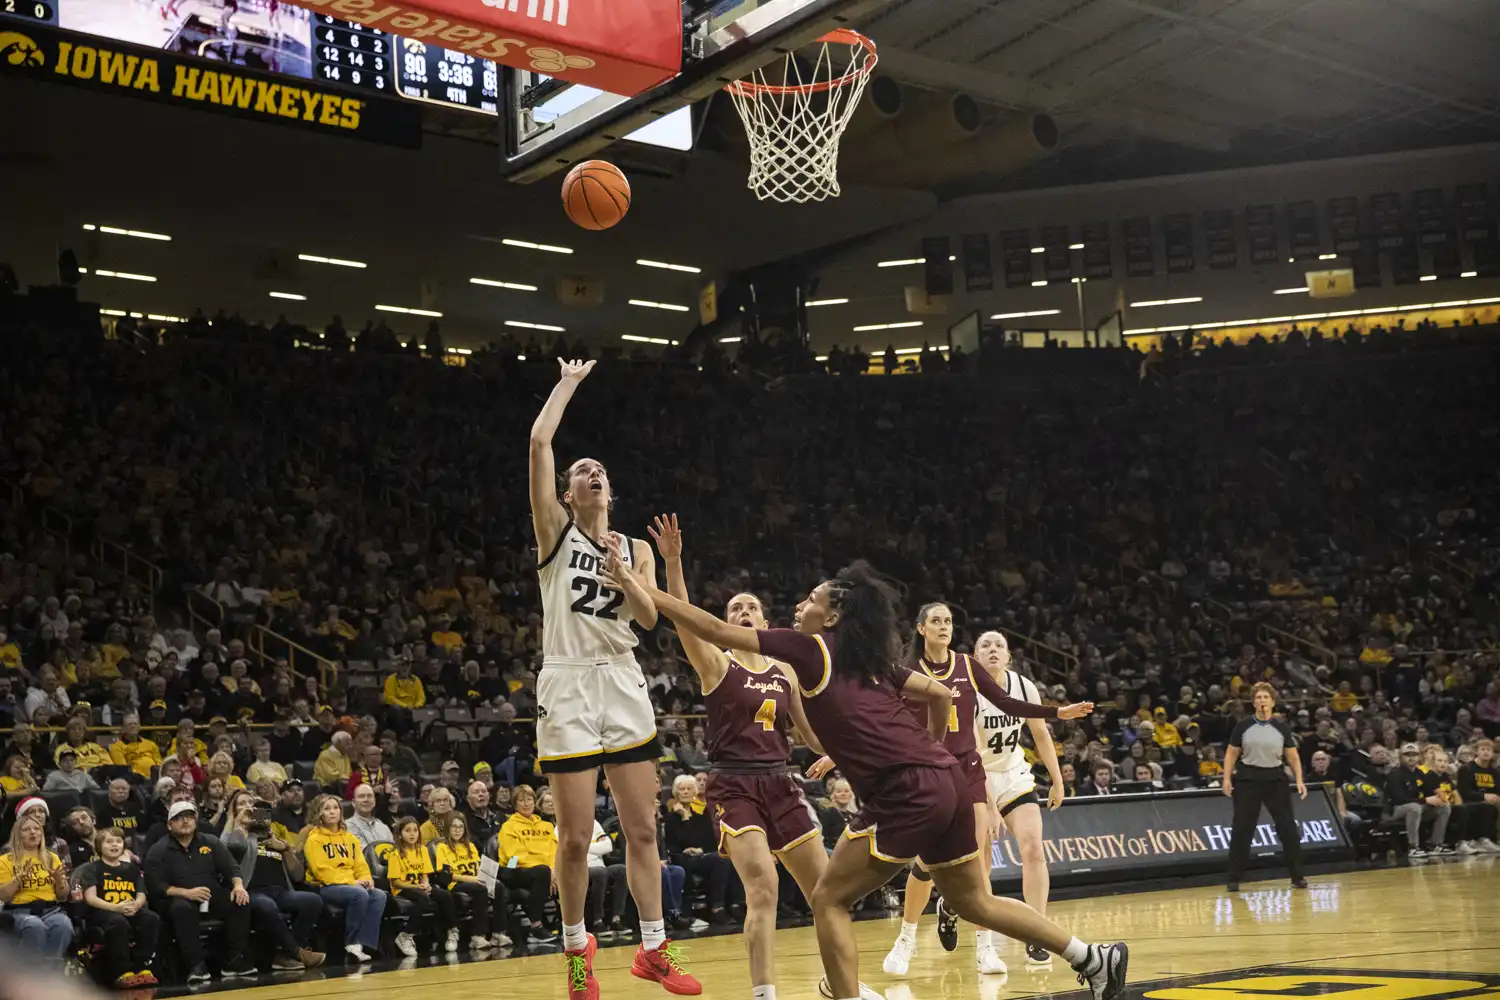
x,y
667,536
614,571
576,371
1076,711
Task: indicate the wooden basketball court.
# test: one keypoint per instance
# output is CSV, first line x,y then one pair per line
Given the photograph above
x,y
1423,933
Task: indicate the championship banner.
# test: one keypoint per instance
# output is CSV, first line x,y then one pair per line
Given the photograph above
x,y
1140,249
979,275
46,54
1105,838
1261,234
1177,236
623,48
1098,257
1218,233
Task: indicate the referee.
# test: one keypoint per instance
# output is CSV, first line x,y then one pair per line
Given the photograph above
x,y
1253,777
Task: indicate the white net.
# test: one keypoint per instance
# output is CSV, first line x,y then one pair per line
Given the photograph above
x,y
795,123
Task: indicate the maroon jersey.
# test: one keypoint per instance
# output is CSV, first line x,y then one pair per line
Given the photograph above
x,y
957,675
749,716
868,729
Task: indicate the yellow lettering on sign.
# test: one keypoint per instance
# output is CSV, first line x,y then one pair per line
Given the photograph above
x,y
330,115
116,68
313,100
185,81
63,51
237,91
351,109
500,48
149,78
265,97
208,88
84,61
1375,987
288,105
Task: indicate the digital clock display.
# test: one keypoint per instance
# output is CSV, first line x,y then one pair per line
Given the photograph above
x,y
428,73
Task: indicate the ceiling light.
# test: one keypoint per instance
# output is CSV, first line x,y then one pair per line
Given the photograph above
x,y
902,263
160,318
514,286
1167,302
1429,277
520,357
137,233
669,306
339,261
821,357
111,312
404,309
1328,256
1075,246
534,326
528,245
1038,249
730,340
288,295
1039,284
120,274
1023,315
670,267
827,302
1079,281
644,340
138,315
1290,291
459,350
1469,274
1377,310
888,326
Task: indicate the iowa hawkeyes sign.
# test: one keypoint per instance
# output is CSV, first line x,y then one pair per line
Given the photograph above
x,y
63,57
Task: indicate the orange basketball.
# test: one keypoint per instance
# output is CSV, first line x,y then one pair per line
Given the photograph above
x,y
596,194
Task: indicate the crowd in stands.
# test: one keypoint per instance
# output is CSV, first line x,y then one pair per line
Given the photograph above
x,y
1154,544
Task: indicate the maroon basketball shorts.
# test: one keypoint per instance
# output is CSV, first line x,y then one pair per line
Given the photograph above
x,y
974,775
921,811
771,803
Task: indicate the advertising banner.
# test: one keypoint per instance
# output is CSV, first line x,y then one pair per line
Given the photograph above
x,y
1106,838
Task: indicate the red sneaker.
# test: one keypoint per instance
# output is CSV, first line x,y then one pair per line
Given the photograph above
x,y
145,979
581,982
664,964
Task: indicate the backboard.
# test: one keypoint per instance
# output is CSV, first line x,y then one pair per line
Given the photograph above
x,y
547,125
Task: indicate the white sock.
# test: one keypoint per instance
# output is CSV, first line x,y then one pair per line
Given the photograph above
x,y
575,938
1076,953
763,992
653,934
983,940
908,931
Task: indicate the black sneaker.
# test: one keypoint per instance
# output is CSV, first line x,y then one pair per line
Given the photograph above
x,y
1232,887
947,926
286,963
240,968
1037,957
199,974
1299,883
1103,972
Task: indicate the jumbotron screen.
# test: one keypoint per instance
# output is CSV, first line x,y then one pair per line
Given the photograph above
x,y
279,38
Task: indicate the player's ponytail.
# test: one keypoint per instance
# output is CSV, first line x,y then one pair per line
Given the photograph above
x,y
869,643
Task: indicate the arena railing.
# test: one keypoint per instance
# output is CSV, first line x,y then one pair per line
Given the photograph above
x,y
13,495
59,526
264,642
1324,655
135,567
202,609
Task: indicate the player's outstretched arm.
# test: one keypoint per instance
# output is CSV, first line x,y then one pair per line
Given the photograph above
x,y
547,515
684,615
939,699
709,661
1020,708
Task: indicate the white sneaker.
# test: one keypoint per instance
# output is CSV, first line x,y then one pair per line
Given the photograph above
x,y
500,939
1487,845
865,993
698,925
1465,847
989,962
477,943
357,953
899,960
406,945
1103,972
451,945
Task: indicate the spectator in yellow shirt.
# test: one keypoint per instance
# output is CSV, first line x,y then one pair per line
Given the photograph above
x,y
527,851
444,637
333,764
1167,734
10,654
88,754
456,854
402,690
185,738
134,751
33,874
16,779
263,768
1344,699
410,870
336,867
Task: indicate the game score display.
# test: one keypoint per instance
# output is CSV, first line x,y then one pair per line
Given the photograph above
x,y
272,36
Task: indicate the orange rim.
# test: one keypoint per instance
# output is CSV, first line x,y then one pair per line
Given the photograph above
x,y
838,36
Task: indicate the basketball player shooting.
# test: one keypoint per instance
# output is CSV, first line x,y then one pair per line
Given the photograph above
x,y
592,705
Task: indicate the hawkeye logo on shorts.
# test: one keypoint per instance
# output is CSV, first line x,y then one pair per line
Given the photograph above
x,y
1282,983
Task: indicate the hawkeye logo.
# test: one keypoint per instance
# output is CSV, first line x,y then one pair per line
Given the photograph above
x,y
18,50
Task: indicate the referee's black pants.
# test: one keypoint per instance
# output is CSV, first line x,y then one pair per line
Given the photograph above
x,y
1276,795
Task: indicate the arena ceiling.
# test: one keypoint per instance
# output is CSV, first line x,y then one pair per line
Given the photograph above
x,y
1138,88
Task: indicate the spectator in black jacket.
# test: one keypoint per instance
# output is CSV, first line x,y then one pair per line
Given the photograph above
x,y
1403,790
123,811
1479,785
186,869
484,821
692,845
510,747
286,742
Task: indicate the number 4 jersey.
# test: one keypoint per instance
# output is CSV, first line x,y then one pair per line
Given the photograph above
x,y
583,620
999,733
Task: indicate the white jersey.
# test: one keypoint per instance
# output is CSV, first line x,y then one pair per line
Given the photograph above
x,y
583,620
998,734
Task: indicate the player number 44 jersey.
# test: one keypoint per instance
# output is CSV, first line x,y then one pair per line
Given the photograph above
x,y
582,618
999,734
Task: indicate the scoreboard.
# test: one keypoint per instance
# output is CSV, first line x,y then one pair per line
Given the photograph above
x,y
273,36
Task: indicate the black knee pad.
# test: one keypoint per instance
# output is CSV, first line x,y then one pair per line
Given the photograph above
x,y
921,874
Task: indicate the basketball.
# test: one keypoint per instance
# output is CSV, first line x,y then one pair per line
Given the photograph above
x,y
596,194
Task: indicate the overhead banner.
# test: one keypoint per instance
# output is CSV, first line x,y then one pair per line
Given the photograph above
x,y
46,54
1098,260
1343,224
937,269
1057,259
623,48
979,272
1218,235
1260,234
1015,255
1473,202
1140,248
1386,220
1099,837
1177,237
1302,228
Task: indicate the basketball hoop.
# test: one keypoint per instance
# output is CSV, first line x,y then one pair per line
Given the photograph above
x,y
794,126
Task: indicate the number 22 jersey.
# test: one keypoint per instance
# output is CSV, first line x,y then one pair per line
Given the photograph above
x,y
999,735
583,620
